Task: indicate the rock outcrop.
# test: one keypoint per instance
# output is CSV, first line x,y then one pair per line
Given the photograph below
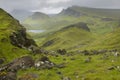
x,y
44,63
13,32
20,39
17,64
70,12
80,25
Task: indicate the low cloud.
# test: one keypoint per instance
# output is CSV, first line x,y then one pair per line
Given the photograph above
x,y
55,6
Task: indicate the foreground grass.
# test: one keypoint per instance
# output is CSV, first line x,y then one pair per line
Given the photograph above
x,y
77,69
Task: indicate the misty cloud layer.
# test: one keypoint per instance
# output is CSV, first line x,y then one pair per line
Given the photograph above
x,y
55,6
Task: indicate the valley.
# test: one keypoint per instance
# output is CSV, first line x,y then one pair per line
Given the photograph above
x,y
79,43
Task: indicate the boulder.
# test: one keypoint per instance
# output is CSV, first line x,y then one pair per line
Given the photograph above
x,y
111,68
11,76
62,51
3,75
102,51
29,76
88,59
44,63
66,78
21,63
44,58
62,65
86,52
59,73
1,61
8,76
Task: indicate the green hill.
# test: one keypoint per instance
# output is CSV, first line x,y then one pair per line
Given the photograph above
x,y
38,16
13,37
36,19
93,11
70,37
93,16
107,41
76,34
99,21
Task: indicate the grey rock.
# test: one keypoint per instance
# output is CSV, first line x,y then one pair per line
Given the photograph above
x,y
111,68
1,61
66,78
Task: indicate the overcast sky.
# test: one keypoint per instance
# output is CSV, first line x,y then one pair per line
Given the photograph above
x,y
55,6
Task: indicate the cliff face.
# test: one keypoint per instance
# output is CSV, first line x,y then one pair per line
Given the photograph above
x,y
15,31
20,39
14,41
70,12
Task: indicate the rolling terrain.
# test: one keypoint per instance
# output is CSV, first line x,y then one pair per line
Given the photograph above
x,y
72,15
69,37
98,23
78,44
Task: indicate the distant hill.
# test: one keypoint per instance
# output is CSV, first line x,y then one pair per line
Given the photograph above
x,y
36,19
38,16
78,37
71,15
70,12
92,11
69,37
99,22
21,14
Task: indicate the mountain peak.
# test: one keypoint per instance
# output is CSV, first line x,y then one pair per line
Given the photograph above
x,y
70,12
39,15
21,14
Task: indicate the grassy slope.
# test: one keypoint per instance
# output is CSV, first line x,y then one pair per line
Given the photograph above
x,y
37,19
93,18
108,41
96,25
62,20
97,69
8,25
69,39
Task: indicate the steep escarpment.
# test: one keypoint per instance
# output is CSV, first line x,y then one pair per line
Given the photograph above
x,y
70,12
15,47
20,39
13,37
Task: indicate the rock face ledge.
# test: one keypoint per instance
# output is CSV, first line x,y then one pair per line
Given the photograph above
x,y
19,39
80,25
14,31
